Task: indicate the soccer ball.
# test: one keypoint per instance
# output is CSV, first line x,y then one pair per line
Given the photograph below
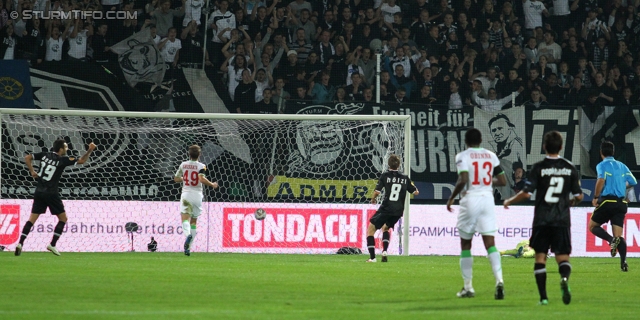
x,y
260,214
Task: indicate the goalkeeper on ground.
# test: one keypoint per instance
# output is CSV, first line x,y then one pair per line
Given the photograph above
x,y
522,250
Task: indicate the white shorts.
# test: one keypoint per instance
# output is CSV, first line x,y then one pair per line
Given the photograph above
x,y
477,214
191,204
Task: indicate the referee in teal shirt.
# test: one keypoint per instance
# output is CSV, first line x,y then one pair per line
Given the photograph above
x,y
614,180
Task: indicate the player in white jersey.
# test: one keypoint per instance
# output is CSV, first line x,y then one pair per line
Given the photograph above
x,y
192,174
478,172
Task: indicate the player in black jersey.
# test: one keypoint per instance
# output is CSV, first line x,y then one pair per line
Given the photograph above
x,y
557,185
396,185
52,166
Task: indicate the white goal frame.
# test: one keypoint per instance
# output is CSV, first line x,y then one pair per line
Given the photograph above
x,y
219,116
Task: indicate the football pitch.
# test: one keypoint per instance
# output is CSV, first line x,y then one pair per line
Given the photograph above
x,y
261,286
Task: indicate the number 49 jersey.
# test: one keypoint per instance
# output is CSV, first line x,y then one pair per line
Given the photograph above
x,y
190,172
554,180
396,185
482,165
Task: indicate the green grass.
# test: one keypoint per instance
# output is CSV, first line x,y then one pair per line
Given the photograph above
x,y
254,286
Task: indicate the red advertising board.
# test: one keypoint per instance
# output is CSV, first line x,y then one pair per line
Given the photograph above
x,y
9,224
631,233
318,228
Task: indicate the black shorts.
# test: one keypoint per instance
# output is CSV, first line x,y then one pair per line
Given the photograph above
x,y
381,218
42,201
558,239
610,209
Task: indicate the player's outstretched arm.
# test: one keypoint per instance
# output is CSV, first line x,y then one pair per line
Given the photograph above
x,y
206,181
28,159
463,179
376,193
521,196
85,157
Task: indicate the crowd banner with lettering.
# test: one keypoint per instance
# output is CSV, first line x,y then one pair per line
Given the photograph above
x,y
438,133
559,118
618,124
504,133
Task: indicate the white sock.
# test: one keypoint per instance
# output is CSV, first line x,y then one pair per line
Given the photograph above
x,y
496,265
194,232
186,228
466,265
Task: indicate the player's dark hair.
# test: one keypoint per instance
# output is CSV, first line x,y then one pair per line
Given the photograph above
x,y
552,142
607,148
394,162
473,137
58,144
194,152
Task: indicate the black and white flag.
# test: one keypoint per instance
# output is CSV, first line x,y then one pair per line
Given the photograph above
x,y
140,59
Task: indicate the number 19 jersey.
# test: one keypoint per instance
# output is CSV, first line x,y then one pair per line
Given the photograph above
x,y
482,165
190,172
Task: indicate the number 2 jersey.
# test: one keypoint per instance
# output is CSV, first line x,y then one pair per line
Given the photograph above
x,y
554,180
396,185
51,168
190,172
482,165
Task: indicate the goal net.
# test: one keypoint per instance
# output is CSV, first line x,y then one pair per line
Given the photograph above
x,y
313,175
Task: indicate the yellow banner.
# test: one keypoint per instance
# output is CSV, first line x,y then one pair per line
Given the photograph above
x,y
299,188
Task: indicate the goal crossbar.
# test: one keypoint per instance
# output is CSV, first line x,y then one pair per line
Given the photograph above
x,y
210,116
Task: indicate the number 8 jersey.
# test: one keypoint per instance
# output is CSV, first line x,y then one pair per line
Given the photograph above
x,y
482,165
190,172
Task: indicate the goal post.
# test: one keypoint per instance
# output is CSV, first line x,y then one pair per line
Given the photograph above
x,y
311,173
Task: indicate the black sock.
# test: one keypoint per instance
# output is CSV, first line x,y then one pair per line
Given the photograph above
x,y
385,240
25,231
371,245
540,272
57,232
564,268
622,249
600,233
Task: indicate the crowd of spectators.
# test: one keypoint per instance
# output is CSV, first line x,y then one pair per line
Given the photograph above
x,y
448,52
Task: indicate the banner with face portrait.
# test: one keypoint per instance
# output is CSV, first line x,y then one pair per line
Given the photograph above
x,y
504,133
140,59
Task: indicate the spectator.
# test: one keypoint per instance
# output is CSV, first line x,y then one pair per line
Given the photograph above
x,y
100,45
492,103
551,50
302,47
577,95
245,93
537,100
341,96
454,100
356,88
424,97
323,91
164,15
265,105
533,11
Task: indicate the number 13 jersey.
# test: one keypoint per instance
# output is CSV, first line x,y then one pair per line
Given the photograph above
x,y
190,172
482,165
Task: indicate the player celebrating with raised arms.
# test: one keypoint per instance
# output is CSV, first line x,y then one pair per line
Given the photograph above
x,y
52,166
192,174
477,212
396,185
554,180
